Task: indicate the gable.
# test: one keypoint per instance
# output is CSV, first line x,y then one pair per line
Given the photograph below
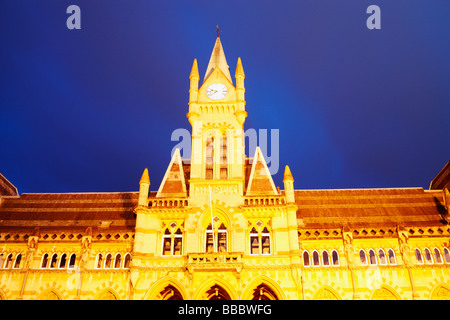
x,y
173,183
260,180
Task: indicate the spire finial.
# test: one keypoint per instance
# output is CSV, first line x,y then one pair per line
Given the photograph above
x,y
218,31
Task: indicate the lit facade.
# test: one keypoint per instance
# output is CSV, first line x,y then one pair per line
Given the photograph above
x,y
218,228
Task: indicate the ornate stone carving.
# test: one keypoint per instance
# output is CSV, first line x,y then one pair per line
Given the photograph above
x,y
348,248
405,249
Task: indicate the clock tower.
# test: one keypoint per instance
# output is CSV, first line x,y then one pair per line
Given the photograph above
x,y
217,115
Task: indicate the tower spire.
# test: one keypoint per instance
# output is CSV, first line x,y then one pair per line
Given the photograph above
x,y
218,31
218,59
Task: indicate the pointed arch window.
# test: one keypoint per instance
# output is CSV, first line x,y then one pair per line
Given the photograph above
x,y
306,261
254,241
209,243
117,261
446,255
372,257
63,261
437,256
362,257
418,255
167,243
8,261
54,261
44,261
391,257
72,260
428,257
223,157
335,258
17,261
316,258
108,261
178,243
127,261
222,238
99,261
209,161
172,241
382,257
325,258
265,238
260,240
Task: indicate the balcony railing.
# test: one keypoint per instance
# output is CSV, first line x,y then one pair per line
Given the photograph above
x,y
215,260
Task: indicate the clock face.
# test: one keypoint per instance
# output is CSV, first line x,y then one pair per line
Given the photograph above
x,y
217,91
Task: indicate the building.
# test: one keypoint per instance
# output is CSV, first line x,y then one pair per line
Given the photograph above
x,y
218,228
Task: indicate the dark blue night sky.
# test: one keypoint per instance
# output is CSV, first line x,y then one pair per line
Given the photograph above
x,y
87,110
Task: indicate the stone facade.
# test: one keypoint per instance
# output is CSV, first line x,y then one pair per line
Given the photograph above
x,y
218,227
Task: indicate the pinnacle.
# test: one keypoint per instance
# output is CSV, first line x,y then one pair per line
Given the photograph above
x,y
145,179
287,175
194,70
239,69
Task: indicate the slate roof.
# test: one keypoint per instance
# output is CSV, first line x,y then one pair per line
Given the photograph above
x,y
359,208
69,211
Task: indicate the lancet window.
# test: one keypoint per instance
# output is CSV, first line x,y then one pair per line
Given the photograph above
x,y
172,241
260,241
217,239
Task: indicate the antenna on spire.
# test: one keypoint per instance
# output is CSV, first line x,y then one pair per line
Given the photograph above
x,y
218,31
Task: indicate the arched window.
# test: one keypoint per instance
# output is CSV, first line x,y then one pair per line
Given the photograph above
x,y
306,262
44,261
17,262
382,257
437,256
209,243
372,257
99,261
170,293
72,260
222,238
259,240
117,261
219,236
8,261
108,261
325,258
428,257
335,258
209,152
418,256
316,258
362,257
264,292
446,255
254,241
127,261
54,261
391,257
265,238
178,243
167,243
223,158
63,261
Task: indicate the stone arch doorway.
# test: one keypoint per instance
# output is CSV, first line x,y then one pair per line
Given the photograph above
x,y
216,292
440,292
170,293
264,292
166,288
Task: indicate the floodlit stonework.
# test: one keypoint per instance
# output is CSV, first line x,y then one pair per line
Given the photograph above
x,y
217,227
